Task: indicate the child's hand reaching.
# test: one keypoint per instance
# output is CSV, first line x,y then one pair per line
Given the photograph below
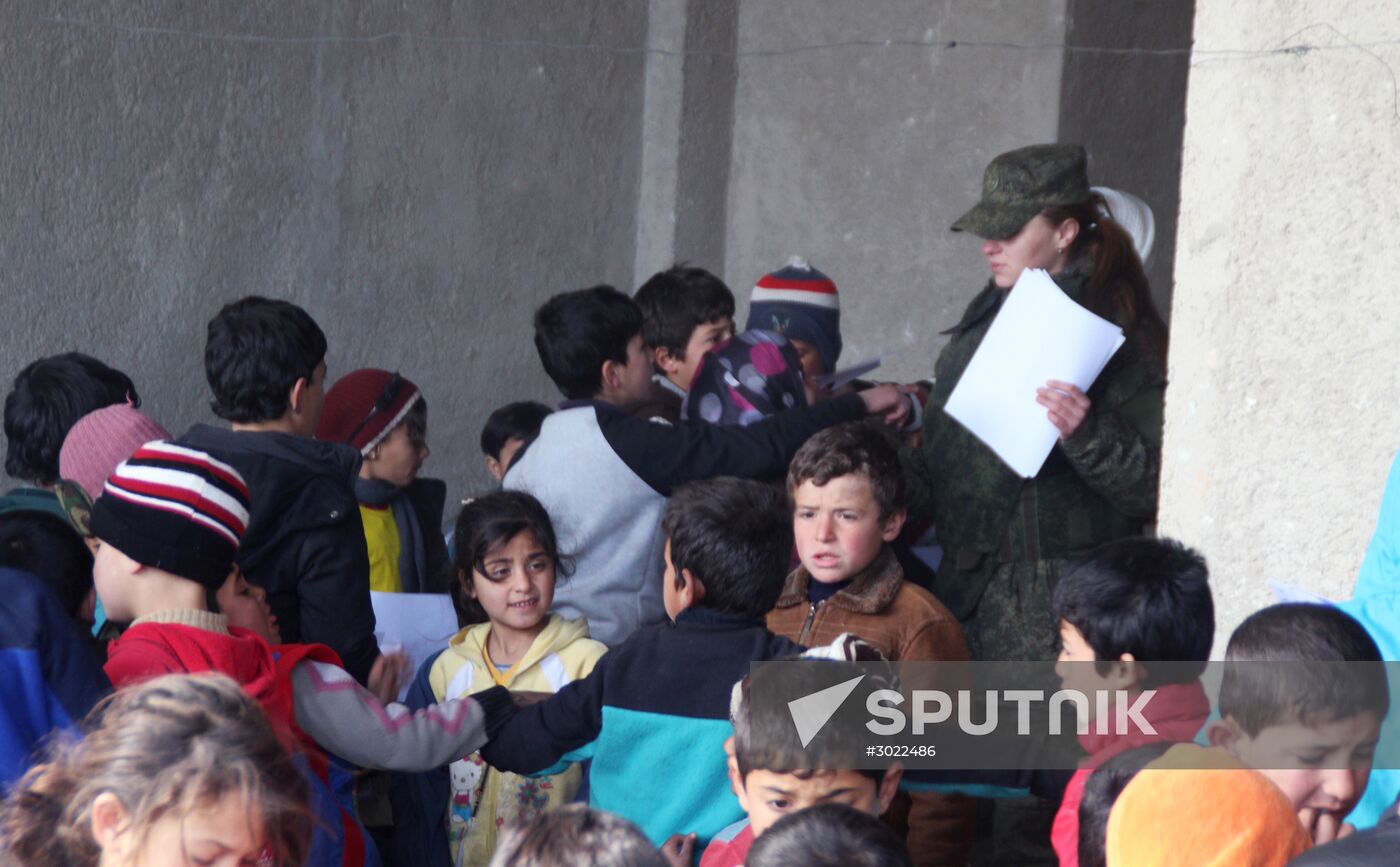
x,y
386,676
890,402
679,850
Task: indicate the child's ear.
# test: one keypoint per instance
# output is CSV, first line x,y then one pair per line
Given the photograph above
x,y
108,819
694,591
493,467
1225,733
468,587
736,781
889,786
1126,674
296,398
612,377
893,525
664,361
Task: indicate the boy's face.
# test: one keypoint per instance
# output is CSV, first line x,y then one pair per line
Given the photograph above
x,y
838,527
812,367
1321,768
112,576
677,599
312,402
1076,670
767,796
629,385
705,336
397,459
246,606
498,465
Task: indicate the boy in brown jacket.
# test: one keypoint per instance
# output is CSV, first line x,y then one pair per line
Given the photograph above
x,y
847,489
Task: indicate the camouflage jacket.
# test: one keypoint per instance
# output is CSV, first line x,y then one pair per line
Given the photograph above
x,y
1099,485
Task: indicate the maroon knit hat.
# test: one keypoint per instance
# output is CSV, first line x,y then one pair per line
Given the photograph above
x,y
364,406
102,439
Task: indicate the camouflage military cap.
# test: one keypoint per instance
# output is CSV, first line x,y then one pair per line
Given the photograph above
x,y
1020,184
76,505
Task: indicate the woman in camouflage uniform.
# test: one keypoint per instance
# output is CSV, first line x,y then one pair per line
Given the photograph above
x,y
1005,538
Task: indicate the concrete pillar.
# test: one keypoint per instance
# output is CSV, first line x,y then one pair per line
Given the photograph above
x,y
1283,411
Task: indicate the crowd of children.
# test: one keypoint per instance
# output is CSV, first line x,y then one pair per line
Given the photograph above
x,y
190,673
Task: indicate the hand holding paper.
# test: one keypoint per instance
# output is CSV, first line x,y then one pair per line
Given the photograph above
x,y
1039,335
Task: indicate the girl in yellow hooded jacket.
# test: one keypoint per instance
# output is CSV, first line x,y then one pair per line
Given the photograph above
x,y
507,560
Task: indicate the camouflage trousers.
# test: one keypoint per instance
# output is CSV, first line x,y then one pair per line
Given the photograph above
x,y
1014,620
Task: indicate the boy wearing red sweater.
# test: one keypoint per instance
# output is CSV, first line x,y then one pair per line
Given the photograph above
x,y
169,522
1122,608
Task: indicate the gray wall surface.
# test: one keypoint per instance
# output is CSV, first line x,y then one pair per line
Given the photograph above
x,y
1282,417
422,176
420,197
859,157
1129,110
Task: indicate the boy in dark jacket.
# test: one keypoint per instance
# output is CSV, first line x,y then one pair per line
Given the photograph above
x,y
265,361
657,746
604,475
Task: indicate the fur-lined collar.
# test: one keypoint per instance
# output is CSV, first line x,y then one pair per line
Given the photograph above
x,y
870,591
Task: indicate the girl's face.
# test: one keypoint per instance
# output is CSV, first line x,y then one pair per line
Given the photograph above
x,y
516,587
397,458
246,606
222,834
1039,244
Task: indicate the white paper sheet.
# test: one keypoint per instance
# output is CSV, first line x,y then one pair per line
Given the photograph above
x,y
833,381
418,623
1039,334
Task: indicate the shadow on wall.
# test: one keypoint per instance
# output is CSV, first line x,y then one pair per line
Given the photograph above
x,y
1129,110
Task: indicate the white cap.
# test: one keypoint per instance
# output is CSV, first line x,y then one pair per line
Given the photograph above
x,y
1134,215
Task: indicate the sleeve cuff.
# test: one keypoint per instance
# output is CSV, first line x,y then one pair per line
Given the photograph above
x,y
497,708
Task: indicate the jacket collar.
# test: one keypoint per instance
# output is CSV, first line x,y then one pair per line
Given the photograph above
x,y
337,460
870,591
708,618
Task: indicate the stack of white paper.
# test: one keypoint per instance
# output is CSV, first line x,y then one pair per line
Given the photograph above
x,y
420,624
1039,334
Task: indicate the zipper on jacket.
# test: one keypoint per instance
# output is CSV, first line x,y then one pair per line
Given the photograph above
x,y
807,624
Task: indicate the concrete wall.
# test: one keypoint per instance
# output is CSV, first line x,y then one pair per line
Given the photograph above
x,y
860,157
1129,110
1282,416
419,197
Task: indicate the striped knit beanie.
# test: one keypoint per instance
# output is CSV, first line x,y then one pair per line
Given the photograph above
x,y
174,509
364,406
800,302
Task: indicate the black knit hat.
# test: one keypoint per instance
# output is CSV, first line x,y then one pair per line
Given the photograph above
x,y
174,509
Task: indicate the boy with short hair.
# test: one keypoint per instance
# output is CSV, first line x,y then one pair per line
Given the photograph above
x,y
508,430
1131,602
686,311
265,362
604,475
1301,701
830,835
46,399
771,780
654,713
169,523
847,489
